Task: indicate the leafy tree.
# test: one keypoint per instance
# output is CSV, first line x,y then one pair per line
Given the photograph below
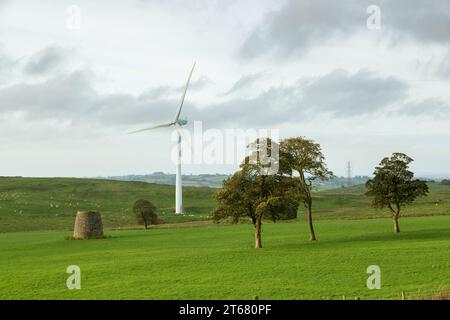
x,y
145,212
303,157
393,186
252,193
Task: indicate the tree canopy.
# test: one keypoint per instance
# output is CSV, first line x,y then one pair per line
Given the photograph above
x,y
145,213
393,186
305,158
253,193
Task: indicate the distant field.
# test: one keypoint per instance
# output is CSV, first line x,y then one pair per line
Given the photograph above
x,y
200,180
28,204
219,262
351,203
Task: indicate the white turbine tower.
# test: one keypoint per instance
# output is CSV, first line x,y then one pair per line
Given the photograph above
x,y
178,123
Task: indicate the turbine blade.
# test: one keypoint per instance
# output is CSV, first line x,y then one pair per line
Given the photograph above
x,y
162,125
177,115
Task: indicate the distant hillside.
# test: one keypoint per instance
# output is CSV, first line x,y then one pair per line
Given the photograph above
x,y
51,203
215,180
340,182
201,180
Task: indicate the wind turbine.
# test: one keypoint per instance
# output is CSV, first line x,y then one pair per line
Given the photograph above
x,y
177,123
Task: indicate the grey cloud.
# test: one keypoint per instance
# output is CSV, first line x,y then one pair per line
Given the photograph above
x,y
342,94
300,25
67,95
422,20
155,93
7,66
45,61
443,68
195,85
431,107
72,98
335,95
130,111
269,108
196,5
245,82
200,83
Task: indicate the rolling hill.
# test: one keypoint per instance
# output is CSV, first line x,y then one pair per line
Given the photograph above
x,y
28,204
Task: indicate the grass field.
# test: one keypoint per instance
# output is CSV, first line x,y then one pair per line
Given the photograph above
x,y
220,262
28,204
199,260
351,203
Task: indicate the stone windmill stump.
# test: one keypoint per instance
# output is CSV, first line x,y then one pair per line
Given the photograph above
x,y
88,225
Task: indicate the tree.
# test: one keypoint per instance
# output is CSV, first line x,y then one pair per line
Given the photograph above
x,y
304,157
393,186
145,212
252,193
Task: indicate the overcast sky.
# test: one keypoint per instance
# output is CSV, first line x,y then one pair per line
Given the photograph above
x,y
312,68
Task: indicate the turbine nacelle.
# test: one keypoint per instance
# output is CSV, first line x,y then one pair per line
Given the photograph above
x,y
182,122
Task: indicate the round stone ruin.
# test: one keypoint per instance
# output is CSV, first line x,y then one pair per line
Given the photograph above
x,y
88,225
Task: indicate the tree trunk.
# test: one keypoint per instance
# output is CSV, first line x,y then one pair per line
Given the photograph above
x,y
145,221
258,243
312,234
395,223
